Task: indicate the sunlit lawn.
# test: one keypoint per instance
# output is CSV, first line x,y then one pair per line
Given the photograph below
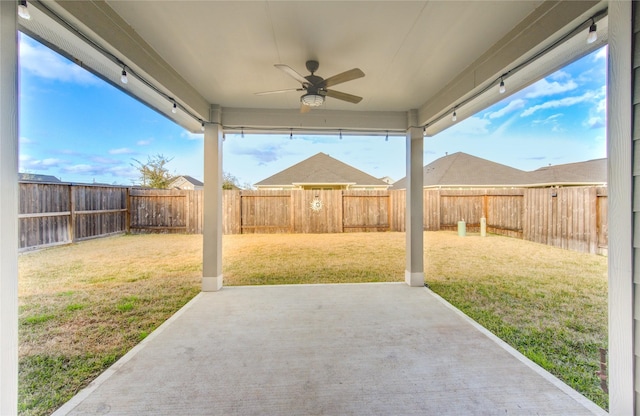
x,y
83,306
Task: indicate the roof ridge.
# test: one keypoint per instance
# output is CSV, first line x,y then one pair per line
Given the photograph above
x,y
320,165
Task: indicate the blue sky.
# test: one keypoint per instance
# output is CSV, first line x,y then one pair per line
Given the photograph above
x,y
80,129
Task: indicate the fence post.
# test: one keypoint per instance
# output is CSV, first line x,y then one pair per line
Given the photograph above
x,y
72,214
439,196
188,209
485,205
127,213
341,219
240,215
388,209
292,215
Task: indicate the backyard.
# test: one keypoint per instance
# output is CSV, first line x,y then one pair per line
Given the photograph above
x,y
83,306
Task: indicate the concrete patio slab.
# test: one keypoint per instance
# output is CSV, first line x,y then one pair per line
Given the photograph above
x,y
350,349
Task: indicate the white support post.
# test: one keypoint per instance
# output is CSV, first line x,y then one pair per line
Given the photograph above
x,y
414,274
8,209
212,234
622,365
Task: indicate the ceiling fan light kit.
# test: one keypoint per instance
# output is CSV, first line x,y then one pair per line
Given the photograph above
x,y
312,100
316,88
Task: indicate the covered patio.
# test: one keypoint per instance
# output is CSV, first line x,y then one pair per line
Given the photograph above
x,y
202,63
350,349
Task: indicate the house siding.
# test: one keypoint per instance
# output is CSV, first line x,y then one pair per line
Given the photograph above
x,y
636,195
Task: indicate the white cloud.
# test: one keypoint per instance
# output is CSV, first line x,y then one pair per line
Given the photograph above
x,y
121,151
144,142
51,162
83,169
597,113
80,169
44,63
473,125
595,122
504,127
551,119
563,102
124,171
512,106
601,54
104,160
545,88
69,152
192,136
559,75
27,162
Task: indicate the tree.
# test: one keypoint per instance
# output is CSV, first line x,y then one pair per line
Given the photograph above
x,y
154,173
229,181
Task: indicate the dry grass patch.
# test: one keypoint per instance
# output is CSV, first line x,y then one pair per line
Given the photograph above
x,y
267,259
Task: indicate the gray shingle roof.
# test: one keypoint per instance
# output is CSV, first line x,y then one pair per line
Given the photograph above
x,y
187,178
588,172
34,177
321,169
193,180
461,169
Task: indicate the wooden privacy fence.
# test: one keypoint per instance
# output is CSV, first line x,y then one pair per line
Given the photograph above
x,y
52,214
167,211
573,218
333,211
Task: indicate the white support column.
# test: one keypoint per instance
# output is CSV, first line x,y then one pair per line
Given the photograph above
x,y
8,209
621,226
414,274
212,234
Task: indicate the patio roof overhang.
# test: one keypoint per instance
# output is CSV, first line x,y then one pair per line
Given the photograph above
x,y
427,56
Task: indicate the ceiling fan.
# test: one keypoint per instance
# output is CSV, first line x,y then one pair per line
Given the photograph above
x,y
317,88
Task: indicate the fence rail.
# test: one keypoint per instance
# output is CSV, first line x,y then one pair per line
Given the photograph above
x,y
573,218
53,214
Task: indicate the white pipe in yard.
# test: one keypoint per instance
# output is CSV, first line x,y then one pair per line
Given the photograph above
x,y
462,228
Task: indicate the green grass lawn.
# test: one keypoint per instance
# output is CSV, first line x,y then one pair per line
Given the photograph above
x,y
83,306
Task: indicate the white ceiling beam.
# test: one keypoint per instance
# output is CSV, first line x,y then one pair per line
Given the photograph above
x,y
105,27
541,28
316,121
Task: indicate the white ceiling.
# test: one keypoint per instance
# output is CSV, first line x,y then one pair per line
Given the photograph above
x,y
422,55
406,49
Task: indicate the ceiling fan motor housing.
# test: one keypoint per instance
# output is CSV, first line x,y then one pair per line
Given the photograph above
x,y
312,66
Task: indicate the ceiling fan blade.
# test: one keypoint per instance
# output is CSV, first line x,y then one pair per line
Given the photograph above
x,y
278,91
344,96
349,75
287,69
304,108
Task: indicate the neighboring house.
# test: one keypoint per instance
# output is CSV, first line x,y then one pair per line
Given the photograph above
x,y
461,170
33,177
387,180
320,172
591,172
186,182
